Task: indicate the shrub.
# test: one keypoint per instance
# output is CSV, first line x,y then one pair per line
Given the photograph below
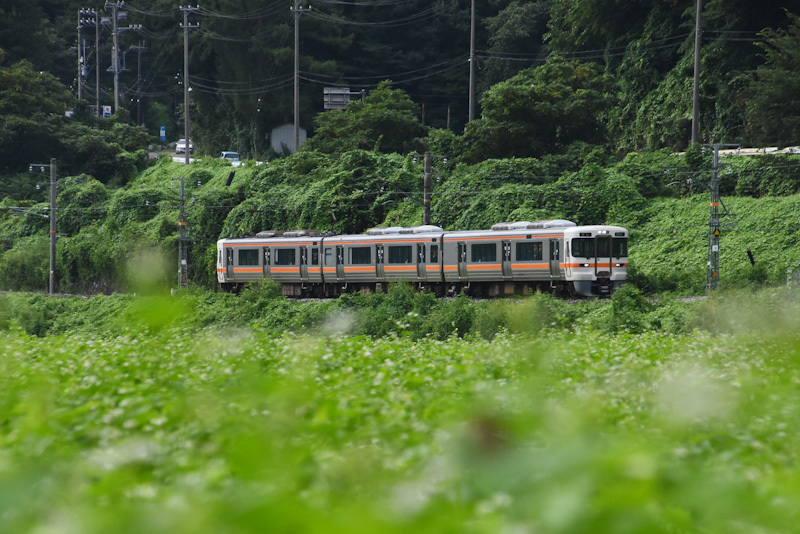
x,y
629,310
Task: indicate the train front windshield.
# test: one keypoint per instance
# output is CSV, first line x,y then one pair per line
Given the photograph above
x,y
590,247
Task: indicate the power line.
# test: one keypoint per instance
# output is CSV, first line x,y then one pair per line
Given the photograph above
x,y
411,19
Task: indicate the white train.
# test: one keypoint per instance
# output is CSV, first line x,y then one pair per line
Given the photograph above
x,y
511,258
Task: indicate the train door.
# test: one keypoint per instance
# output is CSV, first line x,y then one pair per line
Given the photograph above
x,y
555,258
266,258
462,260
421,260
602,247
379,262
506,259
229,261
304,262
340,262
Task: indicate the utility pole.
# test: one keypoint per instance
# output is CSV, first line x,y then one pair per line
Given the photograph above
x,y
472,63
186,89
714,225
115,49
712,272
139,49
53,234
183,241
426,199
81,57
98,102
297,10
96,22
40,167
696,84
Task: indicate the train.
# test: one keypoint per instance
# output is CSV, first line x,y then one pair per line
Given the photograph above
x,y
556,256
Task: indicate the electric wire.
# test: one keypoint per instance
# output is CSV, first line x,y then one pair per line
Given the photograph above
x,y
411,19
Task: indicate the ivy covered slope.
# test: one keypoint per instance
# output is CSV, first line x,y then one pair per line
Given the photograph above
x,y
120,239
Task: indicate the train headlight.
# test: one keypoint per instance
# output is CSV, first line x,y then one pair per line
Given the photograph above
x,y
586,264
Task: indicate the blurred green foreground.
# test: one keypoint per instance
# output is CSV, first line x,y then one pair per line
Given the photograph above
x,y
557,429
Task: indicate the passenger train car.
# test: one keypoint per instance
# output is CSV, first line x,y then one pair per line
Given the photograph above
x,y
553,255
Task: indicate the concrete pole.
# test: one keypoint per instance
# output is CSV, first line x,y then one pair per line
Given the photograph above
x,y
426,199
296,75
80,58
696,83
97,61
472,63
115,58
53,235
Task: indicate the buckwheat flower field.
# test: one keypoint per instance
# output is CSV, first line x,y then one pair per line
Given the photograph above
x,y
242,431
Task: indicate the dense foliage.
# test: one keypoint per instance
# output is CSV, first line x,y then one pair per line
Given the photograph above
x,y
241,65
553,139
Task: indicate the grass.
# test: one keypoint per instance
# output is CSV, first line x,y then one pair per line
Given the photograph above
x,y
241,430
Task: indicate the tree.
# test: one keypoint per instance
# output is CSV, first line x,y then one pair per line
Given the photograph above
x,y
386,122
32,107
773,110
542,110
516,33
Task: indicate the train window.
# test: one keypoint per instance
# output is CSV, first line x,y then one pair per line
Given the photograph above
x,y
603,247
360,256
421,253
219,258
328,256
583,247
400,254
285,256
619,246
248,256
529,251
434,253
266,256
484,252
315,256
